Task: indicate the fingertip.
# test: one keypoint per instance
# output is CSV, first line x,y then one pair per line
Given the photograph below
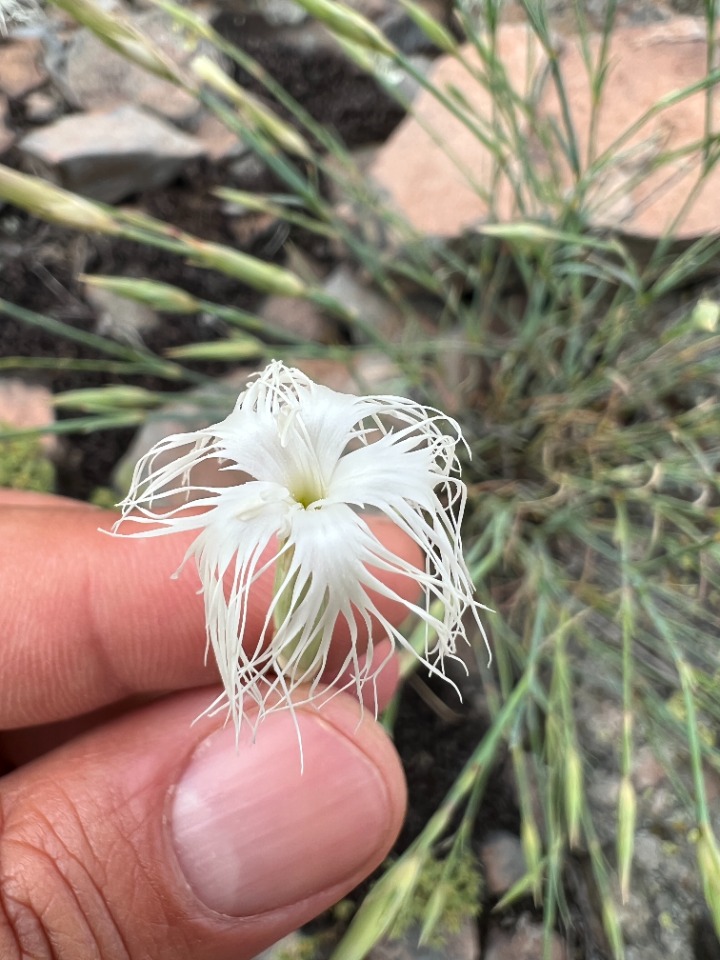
x,y
308,808
201,846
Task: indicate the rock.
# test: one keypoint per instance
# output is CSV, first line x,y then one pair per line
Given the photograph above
x,y
646,63
7,136
405,34
374,372
372,309
41,107
220,144
665,893
419,177
503,861
109,156
369,372
281,13
93,77
299,317
249,172
463,945
523,943
198,409
634,193
119,318
20,72
27,406
370,9
249,229
647,771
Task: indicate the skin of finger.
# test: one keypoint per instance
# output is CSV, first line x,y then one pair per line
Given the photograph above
x,y
34,498
28,743
87,867
87,619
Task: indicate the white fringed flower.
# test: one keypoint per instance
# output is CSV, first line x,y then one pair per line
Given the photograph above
x,y
317,458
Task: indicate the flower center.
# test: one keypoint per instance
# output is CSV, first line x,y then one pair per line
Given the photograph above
x,y
306,494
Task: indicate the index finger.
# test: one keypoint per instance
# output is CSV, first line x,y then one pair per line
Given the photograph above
x,y
87,620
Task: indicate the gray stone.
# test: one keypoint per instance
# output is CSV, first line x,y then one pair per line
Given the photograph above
x,y
405,34
524,942
273,12
503,861
299,317
280,13
371,308
198,409
119,318
249,172
462,945
93,77
109,156
665,890
647,770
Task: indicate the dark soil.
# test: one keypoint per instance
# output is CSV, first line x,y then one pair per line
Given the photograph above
x,y
435,748
317,75
39,267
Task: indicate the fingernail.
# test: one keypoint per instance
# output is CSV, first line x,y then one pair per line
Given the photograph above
x,y
252,833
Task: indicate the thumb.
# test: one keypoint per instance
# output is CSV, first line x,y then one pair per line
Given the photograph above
x,y
152,837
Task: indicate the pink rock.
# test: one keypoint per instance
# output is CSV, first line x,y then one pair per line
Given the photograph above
x,y
219,142
419,175
19,70
646,64
637,189
27,406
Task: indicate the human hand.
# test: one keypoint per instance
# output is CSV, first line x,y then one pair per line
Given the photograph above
x,y
127,832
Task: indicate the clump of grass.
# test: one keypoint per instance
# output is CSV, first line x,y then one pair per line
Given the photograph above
x,y
591,409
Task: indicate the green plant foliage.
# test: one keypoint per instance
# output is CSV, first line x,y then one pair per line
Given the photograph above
x,y
25,466
449,889
104,497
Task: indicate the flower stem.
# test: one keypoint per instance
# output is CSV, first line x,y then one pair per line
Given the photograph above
x,y
308,664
